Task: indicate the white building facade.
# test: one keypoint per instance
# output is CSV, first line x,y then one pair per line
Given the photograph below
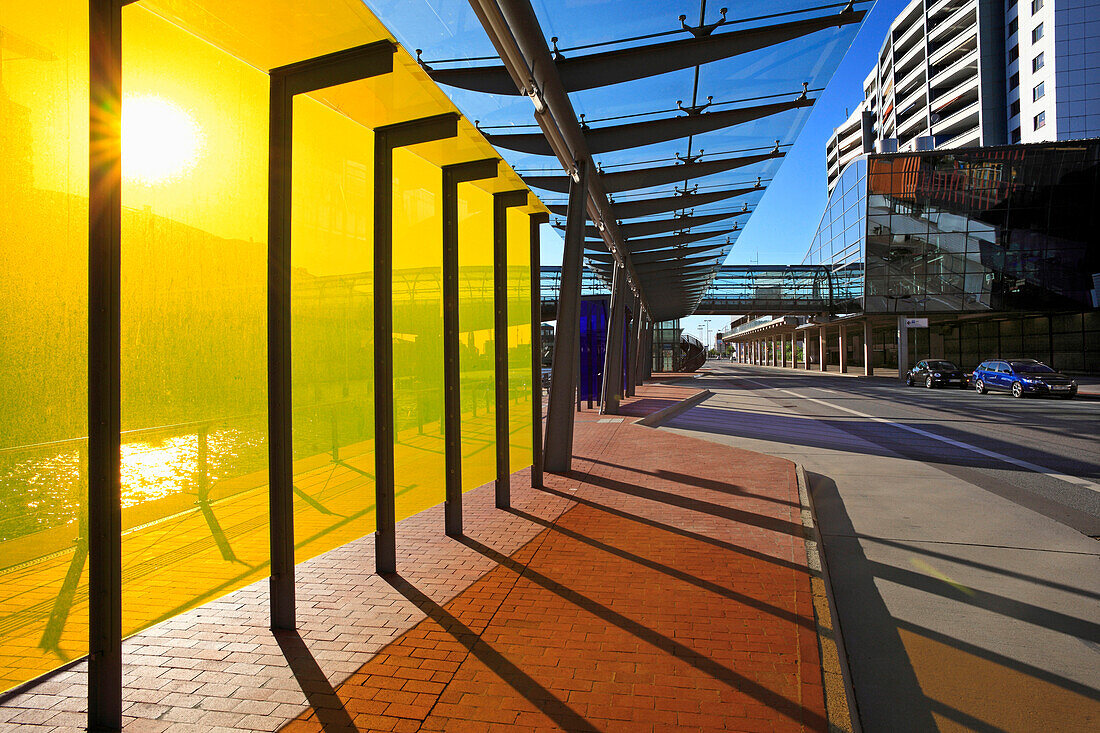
x,y
963,73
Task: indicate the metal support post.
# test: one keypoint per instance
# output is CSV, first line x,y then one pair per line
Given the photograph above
x,y
842,340
639,347
806,349
536,350
822,349
783,350
868,351
903,347
386,138
452,395
650,327
361,62
612,389
104,368
632,347
559,415
501,203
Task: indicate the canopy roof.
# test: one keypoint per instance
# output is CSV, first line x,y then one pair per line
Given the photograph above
x,y
684,123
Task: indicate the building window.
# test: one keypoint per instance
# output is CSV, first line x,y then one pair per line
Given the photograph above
x,y
1036,6
1040,120
1038,62
1016,135
1014,81
1038,92
1037,33
1013,26
1013,53
1014,108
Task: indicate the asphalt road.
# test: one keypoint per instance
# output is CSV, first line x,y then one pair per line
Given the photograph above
x,y
959,533
1056,437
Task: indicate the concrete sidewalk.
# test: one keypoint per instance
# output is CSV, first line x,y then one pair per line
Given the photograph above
x,y
648,590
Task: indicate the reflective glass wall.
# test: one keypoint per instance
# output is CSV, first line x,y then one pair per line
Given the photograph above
x,y
43,336
194,307
1011,228
838,243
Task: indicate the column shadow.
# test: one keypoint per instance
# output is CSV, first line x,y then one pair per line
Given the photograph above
x,y
543,699
322,697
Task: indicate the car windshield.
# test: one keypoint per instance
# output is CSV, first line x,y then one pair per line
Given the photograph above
x,y
945,366
1031,367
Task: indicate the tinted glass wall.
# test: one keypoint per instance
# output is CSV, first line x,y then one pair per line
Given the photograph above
x,y
1013,228
194,307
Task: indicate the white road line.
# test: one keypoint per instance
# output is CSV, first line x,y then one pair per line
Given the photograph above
x,y
1075,480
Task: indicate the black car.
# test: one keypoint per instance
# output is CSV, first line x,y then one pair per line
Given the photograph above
x,y
1022,377
936,373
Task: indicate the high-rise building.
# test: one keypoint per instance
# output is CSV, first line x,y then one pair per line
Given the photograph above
x,y
964,73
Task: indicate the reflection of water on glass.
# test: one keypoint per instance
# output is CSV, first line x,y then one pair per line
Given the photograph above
x,y
39,490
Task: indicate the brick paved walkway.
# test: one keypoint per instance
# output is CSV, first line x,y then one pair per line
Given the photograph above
x,y
662,585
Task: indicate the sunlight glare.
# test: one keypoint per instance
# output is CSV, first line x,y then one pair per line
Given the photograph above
x,y
160,141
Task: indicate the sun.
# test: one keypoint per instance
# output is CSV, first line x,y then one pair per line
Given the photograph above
x,y
160,141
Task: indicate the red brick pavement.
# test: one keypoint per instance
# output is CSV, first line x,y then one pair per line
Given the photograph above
x,y
661,585
666,598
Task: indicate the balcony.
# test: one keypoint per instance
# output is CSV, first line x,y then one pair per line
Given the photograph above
x,y
954,23
909,60
958,121
937,56
961,65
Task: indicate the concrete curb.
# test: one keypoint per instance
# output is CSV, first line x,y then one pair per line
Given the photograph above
x,y
654,419
840,700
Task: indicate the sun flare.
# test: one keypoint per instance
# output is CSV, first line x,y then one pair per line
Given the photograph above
x,y
160,141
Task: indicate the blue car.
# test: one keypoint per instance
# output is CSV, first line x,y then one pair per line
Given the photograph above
x,y
1022,377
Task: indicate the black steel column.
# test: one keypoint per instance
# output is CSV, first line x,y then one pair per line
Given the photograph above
x,y
104,367
632,346
649,349
387,138
501,203
536,350
280,440
640,347
563,373
452,395
351,64
612,387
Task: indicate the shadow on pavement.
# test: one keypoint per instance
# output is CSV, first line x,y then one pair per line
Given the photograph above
x,y
717,510
326,704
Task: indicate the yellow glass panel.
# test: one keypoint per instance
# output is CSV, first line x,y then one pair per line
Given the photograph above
x,y
417,333
332,328
268,34
43,336
520,389
194,356
475,321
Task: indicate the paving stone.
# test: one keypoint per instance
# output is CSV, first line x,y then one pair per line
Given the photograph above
x,y
642,591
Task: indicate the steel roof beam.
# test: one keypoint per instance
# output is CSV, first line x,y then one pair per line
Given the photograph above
x,y
630,180
646,207
611,138
613,67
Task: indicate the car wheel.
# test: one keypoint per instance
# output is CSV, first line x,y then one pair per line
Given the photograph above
x,y
908,380
979,387
1017,389
929,383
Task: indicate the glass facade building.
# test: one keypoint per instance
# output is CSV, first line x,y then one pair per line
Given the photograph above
x,y
1011,233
